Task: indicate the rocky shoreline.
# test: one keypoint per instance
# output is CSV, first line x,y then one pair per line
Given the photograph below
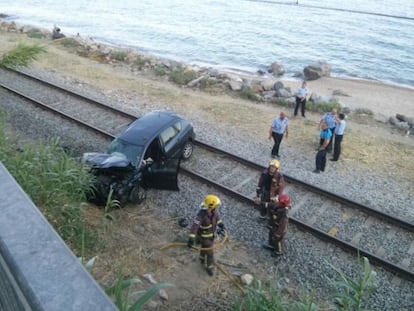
x,y
260,87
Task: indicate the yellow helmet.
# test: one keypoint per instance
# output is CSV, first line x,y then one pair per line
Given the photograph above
x,y
211,201
275,163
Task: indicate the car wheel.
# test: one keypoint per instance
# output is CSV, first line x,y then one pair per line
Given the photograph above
x,y
188,150
137,195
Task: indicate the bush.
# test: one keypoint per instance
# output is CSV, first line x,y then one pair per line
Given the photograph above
x,y
270,298
70,43
21,55
282,102
141,62
122,296
182,76
160,70
247,93
35,34
119,55
55,182
351,292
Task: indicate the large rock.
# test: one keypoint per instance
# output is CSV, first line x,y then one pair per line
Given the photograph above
x,y
277,69
316,71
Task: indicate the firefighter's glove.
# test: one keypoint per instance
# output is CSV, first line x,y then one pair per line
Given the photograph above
x,y
190,243
221,231
275,199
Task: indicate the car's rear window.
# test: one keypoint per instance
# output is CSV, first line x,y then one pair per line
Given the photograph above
x,y
169,133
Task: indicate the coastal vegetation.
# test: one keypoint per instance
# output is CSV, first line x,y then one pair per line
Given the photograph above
x,y
21,55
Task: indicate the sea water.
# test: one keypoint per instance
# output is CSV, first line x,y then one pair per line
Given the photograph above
x,y
362,39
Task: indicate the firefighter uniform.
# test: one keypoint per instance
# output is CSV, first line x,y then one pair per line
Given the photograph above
x,y
278,212
204,229
270,185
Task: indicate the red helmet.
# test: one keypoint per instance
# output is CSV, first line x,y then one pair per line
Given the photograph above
x,y
284,200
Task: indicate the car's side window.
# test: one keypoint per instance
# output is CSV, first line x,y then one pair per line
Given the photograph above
x,y
178,126
168,134
153,151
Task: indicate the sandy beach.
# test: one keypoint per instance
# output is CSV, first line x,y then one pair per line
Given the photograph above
x,y
380,98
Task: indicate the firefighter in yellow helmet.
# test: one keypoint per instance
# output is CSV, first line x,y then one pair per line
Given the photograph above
x,y
269,187
204,228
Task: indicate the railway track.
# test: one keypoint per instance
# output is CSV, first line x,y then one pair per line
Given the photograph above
x,y
238,177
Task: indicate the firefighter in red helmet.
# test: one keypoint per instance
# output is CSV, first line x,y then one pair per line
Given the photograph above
x,y
278,212
204,228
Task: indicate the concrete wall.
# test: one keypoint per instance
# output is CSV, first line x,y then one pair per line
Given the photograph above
x,y
37,270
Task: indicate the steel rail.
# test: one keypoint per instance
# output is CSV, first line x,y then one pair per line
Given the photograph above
x,y
72,93
396,269
56,111
384,216
366,209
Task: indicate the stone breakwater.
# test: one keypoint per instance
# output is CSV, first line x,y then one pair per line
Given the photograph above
x,y
259,87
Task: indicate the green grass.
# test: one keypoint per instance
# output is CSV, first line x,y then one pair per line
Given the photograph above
x,y
348,293
141,62
35,34
182,76
119,55
56,183
123,296
21,55
248,93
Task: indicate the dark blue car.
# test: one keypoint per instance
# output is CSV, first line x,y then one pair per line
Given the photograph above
x,y
146,155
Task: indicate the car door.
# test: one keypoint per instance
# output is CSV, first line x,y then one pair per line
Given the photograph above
x,y
163,175
163,172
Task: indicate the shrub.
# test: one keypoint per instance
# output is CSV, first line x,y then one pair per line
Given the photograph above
x,y
351,292
55,182
282,102
21,55
323,106
181,76
160,70
70,43
247,93
121,293
270,298
119,55
141,62
98,56
36,34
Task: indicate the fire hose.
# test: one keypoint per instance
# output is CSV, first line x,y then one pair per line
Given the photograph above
x,y
215,246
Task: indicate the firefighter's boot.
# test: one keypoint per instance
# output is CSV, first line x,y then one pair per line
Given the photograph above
x,y
210,271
